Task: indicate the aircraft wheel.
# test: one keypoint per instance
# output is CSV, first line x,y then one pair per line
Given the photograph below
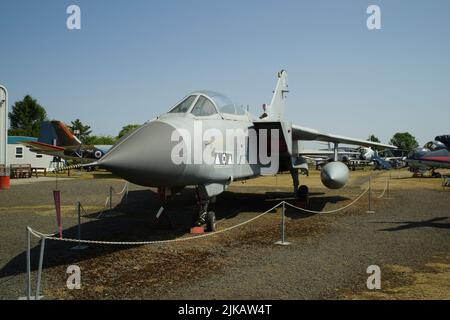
x,y
302,192
211,221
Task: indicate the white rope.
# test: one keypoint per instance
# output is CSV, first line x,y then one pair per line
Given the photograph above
x,y
74,166
124,187
104,207
331,211
52,236
40,235
384,191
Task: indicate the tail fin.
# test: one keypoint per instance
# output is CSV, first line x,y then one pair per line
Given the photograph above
x,y
56,133
445,139
275,111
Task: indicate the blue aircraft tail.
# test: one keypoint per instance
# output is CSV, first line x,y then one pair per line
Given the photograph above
x,y
56,133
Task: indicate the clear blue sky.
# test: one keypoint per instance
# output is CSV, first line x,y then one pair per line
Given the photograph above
x,y
132,60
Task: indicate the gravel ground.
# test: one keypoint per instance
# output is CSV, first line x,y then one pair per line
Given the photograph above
x,y
327,258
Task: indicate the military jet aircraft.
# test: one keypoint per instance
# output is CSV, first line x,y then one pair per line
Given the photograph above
x,y
345,154
207,141
56,140
434,155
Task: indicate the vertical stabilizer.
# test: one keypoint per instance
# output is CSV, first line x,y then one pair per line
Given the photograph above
x,y
56,133
275,111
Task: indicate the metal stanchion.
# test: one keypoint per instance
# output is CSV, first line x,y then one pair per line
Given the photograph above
x,y
28,289
283,214
39,275
79,246
370,197
79,219
388,193
28,263
389,187
110,198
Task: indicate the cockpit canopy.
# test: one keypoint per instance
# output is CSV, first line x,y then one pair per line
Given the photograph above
x,y
207,103
434,145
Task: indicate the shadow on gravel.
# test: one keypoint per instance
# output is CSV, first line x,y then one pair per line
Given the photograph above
x,y
405,225
315,204
416,177
134,219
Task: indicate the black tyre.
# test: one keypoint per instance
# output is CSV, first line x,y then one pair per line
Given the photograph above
x,y
302,192
211,221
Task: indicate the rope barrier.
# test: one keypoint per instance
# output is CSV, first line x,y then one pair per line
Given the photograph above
x,y
331,211
124,188
104,207
44,236
71,167
52,237
82,209
384,191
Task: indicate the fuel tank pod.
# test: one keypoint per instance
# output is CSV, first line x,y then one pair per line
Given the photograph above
x,y
334,175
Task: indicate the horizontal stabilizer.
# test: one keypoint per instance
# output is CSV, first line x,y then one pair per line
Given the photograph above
x,y
40,146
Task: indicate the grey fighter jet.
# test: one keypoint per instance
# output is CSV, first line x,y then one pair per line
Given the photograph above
x,y
434,155
207,141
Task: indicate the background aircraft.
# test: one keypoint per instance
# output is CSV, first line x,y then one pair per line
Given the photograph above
x,y
145,156
56,140
345,154
434,155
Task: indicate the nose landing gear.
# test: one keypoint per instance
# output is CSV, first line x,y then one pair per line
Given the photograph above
x,y
211,221
205,217
206,194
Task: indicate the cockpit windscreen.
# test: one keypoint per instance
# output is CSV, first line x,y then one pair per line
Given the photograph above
x,y
184,105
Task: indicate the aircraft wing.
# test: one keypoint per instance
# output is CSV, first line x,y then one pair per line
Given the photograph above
x,y
48,149
44,148
302,133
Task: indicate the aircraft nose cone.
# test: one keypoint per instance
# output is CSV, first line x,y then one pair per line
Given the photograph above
x,y
144,157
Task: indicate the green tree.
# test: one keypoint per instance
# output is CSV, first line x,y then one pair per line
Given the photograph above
x,y
404,141
126,129
84,131
26,117
373,138
105,140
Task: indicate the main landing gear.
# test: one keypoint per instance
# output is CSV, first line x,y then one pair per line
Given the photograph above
x,y
301,192
435,174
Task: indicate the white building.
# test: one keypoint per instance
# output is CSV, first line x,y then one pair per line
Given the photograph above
x,y
19,154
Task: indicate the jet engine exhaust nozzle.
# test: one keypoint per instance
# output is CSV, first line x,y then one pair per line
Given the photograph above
x,y
334,175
